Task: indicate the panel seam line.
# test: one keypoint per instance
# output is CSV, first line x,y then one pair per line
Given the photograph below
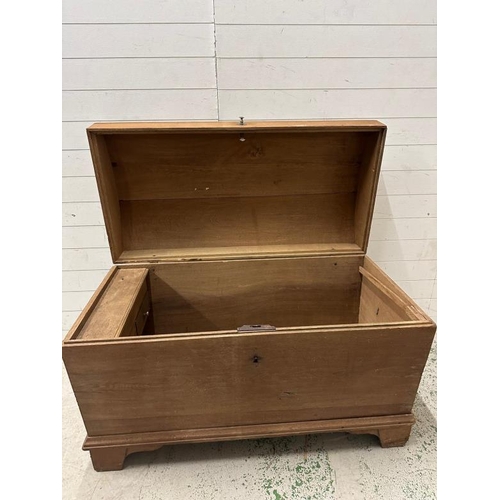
x,y
215,62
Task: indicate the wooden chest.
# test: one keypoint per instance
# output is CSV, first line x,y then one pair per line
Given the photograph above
x,y
242,303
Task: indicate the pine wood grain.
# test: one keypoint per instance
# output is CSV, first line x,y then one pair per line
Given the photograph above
x,y
237,222
117,308
244,379
367,188
197,185
159,166
109,452
375,306
224,295
231,253
202,126
358,425
107,192
378,273
82,318
278,238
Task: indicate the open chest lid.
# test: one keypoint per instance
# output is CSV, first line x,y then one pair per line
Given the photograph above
x,y
188,191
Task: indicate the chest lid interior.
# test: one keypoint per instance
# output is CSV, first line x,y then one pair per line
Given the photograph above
x,y
176,191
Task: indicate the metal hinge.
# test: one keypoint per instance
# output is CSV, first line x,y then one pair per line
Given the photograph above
x,y
257,328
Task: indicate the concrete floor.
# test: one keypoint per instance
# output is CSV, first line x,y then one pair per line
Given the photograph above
x,y
316,467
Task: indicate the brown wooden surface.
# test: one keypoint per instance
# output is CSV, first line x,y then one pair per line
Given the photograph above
x,y
108,193
116,310
359,425
390,295
142,315
376,307
236,253
172,166
237,222
109,452
375,270
107,459
220,295
243,379
222,126
391,437
368,178
288,183
304,190
306,293
80,322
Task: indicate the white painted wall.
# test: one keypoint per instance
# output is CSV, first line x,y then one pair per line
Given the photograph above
x,y
220,59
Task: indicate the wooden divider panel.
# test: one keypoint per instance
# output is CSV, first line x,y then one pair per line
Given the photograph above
x,y
115,313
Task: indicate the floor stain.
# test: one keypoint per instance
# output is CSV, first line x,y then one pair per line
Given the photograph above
x,y
297,472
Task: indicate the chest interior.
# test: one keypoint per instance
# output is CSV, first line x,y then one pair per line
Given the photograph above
x,y
218,227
